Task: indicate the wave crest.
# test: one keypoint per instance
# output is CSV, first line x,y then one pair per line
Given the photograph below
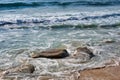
x,y
57,3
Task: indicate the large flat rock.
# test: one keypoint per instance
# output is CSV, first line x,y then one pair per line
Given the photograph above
x,y
108,73
50,53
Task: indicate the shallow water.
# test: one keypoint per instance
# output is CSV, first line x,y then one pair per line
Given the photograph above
x,y
17,44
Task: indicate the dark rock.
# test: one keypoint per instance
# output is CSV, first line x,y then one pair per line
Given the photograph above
x,y
51,53
26,68
83,53
108,41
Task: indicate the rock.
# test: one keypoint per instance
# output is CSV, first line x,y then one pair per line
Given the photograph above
x,y
25,68
51,53
83,53
107,73
108,41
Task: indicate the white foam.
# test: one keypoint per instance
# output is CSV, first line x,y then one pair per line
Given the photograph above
x,y
58,18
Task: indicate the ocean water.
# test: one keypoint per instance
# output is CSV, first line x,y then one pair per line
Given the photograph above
x,y
27,25
52,12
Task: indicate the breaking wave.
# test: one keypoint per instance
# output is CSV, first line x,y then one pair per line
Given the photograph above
x,y
76,20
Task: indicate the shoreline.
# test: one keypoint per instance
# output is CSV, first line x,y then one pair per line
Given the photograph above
x,y
80,65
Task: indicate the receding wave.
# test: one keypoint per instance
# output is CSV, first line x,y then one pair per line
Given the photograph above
x,y
36,4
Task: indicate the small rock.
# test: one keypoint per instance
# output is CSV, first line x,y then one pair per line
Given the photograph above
x,y
108,41
26,68
83,53
51,53
3,74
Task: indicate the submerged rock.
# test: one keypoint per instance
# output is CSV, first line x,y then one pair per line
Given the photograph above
x,y
51,53
25,68
83,53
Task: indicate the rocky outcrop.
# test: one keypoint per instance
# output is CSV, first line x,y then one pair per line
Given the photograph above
x,y
83,53
108,73
51,53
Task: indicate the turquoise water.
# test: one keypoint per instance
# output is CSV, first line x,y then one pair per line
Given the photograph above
x,y
25,23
